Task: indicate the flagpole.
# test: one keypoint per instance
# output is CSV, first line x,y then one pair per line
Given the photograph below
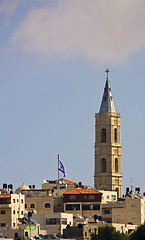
x,y
58,179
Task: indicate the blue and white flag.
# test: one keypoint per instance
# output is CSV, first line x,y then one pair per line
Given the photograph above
x,y
62,168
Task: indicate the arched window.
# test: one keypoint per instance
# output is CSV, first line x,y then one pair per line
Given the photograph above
x,y
115,135
103,135
116,164
32,205
103,165
47,205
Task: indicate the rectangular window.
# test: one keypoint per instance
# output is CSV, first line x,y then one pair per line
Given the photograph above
x,y
85,197
14,201
3,224
5,201
21,212
17,200
133,205
91,197
96,207
3,212
106,211
86,207
113,197
72,206
107,196
72,197
13,224
22,201
64,221
14,212
52,221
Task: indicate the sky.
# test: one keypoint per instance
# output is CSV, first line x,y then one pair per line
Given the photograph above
x,y
53,57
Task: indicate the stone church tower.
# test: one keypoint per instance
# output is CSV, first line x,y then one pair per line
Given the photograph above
x,y
108,174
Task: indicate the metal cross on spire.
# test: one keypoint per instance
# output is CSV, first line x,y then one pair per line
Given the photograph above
x,y
107,71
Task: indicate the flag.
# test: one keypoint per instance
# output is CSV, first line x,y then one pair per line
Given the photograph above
x,y
62,168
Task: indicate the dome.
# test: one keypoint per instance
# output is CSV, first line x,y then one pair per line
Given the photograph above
x,y
22,187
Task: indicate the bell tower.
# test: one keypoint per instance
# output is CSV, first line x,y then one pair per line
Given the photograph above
x,y
108,173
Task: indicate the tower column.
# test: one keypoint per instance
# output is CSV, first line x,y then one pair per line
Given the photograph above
x,y
108,173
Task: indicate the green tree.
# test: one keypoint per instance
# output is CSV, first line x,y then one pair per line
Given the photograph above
x,y
138,234
108,233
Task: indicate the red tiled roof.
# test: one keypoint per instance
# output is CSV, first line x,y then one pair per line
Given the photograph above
x,y
69,181
82,191
5,196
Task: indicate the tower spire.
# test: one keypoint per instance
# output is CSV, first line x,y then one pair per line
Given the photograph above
x,y
107,71
107,104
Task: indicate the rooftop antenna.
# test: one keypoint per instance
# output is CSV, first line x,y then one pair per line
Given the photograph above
x,y
131,185
131,188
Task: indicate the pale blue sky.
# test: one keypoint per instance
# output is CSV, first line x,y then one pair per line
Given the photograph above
x,y
53,55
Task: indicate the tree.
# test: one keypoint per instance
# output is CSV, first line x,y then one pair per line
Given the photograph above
x,y
138,234
108,233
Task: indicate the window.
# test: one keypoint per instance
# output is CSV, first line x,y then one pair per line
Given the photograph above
x,y
14,212
25,205
85,197
103,135
133,205
116,164
106,211
86,207
17,200
115,135
14,201
21,212
32,205
91,197
64,221
47,205
72,197
22,201
3,224
5,200
103,165
3,212
72,206
96,207
13,224
113,197
107,196
52,221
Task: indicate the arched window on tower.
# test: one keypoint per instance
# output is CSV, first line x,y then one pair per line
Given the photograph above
x,y
103,135
103,165
47,205
116,164
115,135
32,205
